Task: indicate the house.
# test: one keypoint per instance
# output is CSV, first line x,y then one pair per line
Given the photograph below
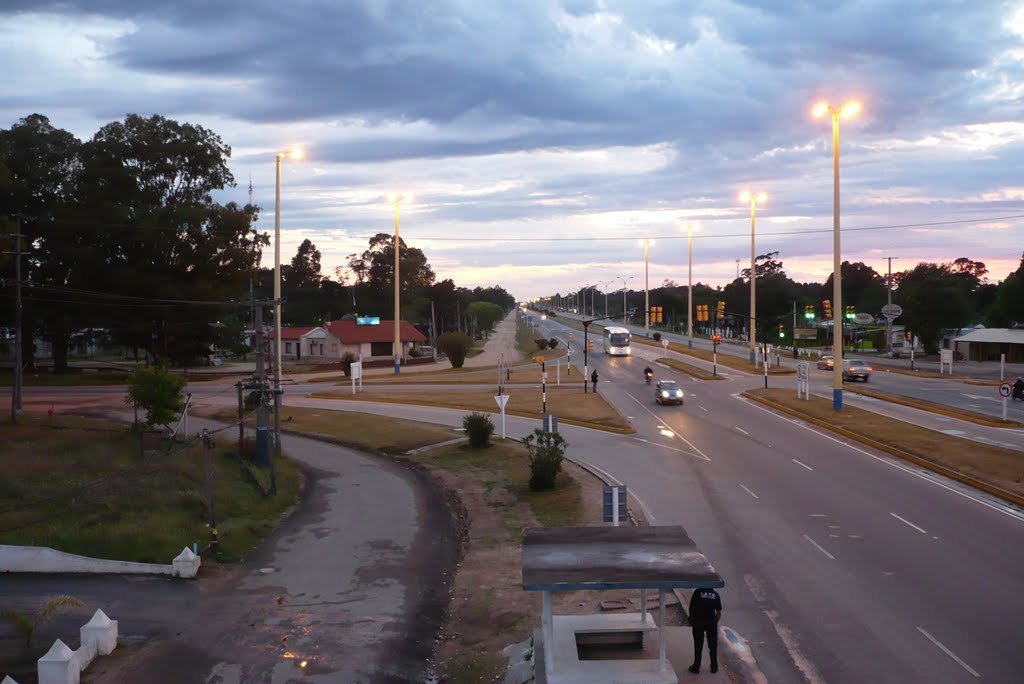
x,y
988,344
374,342
291,342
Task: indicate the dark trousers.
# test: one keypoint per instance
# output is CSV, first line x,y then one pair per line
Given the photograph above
x,y
595,386
699,631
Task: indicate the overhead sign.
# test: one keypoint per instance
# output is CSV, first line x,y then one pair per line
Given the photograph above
x,y
805,333
367,320
864,318
1005,389
892,310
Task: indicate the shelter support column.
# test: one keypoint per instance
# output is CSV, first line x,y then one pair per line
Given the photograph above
x,y
548,631
661,630
643,606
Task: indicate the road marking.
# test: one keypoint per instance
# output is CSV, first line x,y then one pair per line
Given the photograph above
x,y
818,546
749,492
702,409
926,477
657,419
907,522
802,464
949,653
742,430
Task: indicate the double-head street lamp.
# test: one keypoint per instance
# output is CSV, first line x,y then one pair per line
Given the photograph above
x,y
624,281
849,109
605,284
294,153
753,199
397,351
647,242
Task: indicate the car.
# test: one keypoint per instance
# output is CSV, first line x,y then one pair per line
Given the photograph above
x,y
855,369
668,392
826,362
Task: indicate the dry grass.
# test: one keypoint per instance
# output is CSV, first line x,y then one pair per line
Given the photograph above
x,y
571,405
934,407
81,486
689,369
1002,468
359,430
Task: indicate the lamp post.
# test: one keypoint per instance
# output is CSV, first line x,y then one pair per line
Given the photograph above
x,y
624,281
397,351
605,284
849,109
753,199
647,242
689,288
295,153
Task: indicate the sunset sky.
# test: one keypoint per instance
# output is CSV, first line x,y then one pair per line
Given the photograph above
x,y
541,139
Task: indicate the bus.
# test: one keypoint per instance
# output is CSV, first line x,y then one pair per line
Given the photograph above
x,y
616,341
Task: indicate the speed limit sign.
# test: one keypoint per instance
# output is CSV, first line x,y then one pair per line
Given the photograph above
x,y
1005,389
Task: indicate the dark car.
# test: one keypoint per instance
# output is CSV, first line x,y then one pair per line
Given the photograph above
x,y
668,392
854,369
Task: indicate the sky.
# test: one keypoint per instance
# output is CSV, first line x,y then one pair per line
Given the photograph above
x,y
539,141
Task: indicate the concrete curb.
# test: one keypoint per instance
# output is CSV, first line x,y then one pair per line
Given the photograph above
x,y
894,451
932,408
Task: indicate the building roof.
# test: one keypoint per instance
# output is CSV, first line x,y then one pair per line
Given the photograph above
x,y
571,558
994,335
294,333
350,333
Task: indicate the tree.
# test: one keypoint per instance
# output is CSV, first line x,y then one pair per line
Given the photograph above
x,y
863,288
1008,307
305,267
484,316
158,391
376,266
454,345
933,299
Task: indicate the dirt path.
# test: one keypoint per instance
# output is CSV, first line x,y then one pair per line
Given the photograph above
x,y
499,343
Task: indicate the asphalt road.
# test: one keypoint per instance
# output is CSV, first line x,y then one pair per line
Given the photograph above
x,y
843,565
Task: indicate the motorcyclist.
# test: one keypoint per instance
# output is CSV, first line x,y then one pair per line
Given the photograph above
x,y
648,374
1018,388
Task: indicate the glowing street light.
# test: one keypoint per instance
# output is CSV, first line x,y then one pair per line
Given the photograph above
x,y
397,350
753,199
849,109
294,153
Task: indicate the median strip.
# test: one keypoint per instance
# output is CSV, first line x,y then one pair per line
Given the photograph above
x,y
933,407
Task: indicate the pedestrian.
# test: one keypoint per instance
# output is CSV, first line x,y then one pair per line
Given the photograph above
x,y
593,379
705,611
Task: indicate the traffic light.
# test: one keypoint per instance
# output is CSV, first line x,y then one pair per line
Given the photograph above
x,y
828,308
910,336
702,313
809,312
569,337
721,309
716,338
590,345
850,314
656,316
782,331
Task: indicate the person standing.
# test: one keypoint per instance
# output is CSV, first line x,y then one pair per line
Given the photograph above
x,y
593,379
705,611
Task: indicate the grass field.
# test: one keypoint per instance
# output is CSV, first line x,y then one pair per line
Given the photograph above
x,y
80,485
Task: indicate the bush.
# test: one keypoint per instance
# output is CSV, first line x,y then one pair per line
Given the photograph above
x,y
454,345
158,391
479,428
657,337
346,362
547,449
552,343
541,343
415,352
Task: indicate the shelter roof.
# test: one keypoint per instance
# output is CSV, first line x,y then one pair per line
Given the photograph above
x,y
351,333
994,335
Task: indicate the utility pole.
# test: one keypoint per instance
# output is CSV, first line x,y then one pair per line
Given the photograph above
x,y
212,524
888,320
16,382
262,445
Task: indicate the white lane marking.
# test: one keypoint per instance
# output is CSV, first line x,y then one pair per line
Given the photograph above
x,y
949,653
907,522
702,408
817,546
741,430
789,641
657,419
802,464
744,487
926,477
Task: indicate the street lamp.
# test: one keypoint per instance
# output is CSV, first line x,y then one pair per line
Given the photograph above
x,y
397,350
848,109
624,281
647,242
689,287
753,199
605,284
294,153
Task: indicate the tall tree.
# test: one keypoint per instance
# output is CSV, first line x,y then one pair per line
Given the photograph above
x,y
1008,307
933,299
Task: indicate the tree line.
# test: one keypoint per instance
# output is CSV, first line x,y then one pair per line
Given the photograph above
x,y
121,232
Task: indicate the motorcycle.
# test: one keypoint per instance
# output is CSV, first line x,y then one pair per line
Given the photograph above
x,y
1018,393
647,376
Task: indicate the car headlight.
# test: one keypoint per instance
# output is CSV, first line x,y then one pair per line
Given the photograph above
x,y
664,394
679,393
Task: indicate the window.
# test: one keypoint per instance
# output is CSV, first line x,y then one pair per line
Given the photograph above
x,y
288,347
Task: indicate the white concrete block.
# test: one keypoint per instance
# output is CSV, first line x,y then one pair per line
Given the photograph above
x,y
8,680
102,631
85,654
186,564
44,559
58,666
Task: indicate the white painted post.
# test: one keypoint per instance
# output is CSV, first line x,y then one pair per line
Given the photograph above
x,y
8,680
101,630
1002,367
615,502
1004,408
643,606
558,372
661,630
58,666
547,627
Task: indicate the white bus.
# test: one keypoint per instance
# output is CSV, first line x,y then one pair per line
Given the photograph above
x,y
616,341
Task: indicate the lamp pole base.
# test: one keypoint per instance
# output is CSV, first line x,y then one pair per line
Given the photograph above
x,y
837,399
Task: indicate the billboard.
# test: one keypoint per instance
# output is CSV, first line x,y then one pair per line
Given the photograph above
x,y
367,320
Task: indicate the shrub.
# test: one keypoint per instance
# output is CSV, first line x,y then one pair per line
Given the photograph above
x,y
346,362
158,391
657,337
541,343
415,352
479,428
552,343
547,449
454,345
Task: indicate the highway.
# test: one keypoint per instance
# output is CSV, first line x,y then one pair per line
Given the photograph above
x,y
842,564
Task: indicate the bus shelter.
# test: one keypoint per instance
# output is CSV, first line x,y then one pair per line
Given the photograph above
x,y
658,558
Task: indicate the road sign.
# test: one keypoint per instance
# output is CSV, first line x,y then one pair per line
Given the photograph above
x,y
1005,389
615,494
803,370
864,318
892,310
664,343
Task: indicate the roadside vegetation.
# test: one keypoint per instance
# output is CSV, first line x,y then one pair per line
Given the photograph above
x,y
81,486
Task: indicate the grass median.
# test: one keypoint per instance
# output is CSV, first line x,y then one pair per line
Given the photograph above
x,y
994,469
934,407
81,486
570,404
689,369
